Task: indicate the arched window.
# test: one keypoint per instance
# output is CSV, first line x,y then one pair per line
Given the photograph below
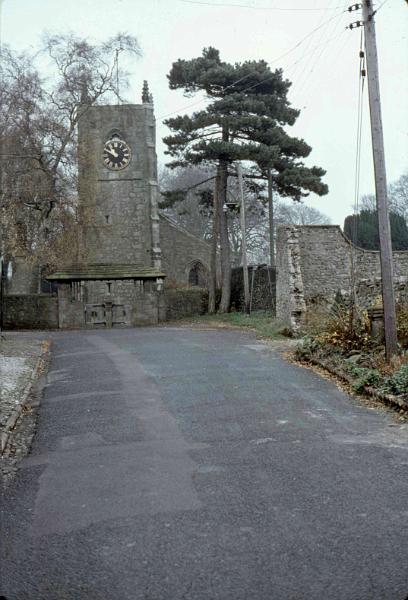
x,y
197,275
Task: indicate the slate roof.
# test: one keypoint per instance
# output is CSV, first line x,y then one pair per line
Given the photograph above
x,y
98,271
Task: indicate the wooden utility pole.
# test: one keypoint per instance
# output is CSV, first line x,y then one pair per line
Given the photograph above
x,y
243,242
212,283
271,220
2,277
390,326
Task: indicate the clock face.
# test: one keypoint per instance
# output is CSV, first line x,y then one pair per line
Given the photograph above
x,y
116,154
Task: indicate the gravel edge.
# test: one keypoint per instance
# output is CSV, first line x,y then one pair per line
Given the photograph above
x,y
23,404
388,399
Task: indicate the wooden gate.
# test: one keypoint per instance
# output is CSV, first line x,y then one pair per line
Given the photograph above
x,y
107,314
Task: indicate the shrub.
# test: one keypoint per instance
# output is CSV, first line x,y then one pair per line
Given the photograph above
x,y
397,383
306,348
347,328
185,302
365,377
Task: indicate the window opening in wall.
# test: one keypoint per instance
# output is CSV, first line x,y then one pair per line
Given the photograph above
x,y
107,218
109,285
197,275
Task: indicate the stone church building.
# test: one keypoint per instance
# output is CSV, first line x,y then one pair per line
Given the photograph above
x,y
126,247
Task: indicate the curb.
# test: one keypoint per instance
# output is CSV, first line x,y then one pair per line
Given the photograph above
x,y
22,405
393,401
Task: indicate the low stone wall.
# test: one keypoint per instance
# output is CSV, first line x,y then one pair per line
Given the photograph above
x,y
369,290
263,278
315,262
30,312
184,302
49,312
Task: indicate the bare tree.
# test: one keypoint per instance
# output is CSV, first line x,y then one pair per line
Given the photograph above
x,y
297,213
39,117
398,194
188,198
397,198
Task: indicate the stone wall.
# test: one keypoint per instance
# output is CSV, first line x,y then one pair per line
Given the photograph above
x,y
181,250
369,290
147,306
315,262
30,311
264,287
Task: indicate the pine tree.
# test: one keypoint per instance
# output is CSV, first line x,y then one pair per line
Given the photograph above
x,y
362,230
244,121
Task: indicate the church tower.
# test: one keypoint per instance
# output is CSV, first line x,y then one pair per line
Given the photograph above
x,y
118,279
118,185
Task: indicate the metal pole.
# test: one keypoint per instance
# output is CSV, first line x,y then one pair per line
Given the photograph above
x,y
244,247
391,343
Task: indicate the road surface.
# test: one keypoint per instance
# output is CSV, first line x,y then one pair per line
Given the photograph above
x,y
178,464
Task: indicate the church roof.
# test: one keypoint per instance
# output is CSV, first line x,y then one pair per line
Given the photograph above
x,y
99,271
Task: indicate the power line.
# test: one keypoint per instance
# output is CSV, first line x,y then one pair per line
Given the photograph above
x,y
360,105
311,38
279,57
287,70
326,35
283,55
332,72
279,8
269,78
381,5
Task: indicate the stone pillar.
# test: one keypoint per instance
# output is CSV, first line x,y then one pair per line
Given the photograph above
x,y
290,301
376,316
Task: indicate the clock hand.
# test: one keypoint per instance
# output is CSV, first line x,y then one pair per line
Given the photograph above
x,y
113,152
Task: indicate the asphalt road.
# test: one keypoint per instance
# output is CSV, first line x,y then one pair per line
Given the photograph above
x,y
176,464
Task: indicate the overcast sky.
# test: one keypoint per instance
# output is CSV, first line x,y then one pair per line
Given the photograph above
x,y
308,39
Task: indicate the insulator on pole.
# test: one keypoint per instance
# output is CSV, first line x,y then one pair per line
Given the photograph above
x,y
356,24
